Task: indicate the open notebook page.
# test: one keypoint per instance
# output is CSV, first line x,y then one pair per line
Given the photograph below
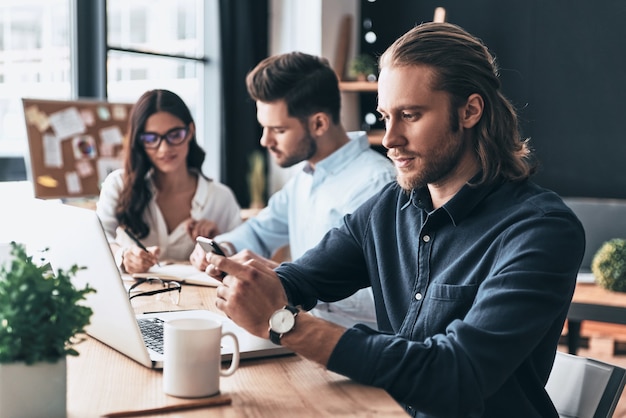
x,y
181,272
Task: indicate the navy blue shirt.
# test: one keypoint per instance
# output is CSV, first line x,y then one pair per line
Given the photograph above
x,y
470,298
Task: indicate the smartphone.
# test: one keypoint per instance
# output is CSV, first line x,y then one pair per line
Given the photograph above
x,y
209,245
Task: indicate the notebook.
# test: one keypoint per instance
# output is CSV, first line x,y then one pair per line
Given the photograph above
x,y
181,272
74,235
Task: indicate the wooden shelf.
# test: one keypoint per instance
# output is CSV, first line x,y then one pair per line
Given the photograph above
x,y
358,86
374,136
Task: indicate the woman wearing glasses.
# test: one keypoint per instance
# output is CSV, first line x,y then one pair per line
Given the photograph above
x,y
156,206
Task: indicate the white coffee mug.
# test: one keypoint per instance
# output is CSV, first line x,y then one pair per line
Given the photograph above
x,y
192,363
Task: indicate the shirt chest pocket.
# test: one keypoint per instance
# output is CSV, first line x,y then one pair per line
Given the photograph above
x,y
443,304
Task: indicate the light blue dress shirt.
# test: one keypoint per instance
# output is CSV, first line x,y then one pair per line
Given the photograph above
x,y
311,203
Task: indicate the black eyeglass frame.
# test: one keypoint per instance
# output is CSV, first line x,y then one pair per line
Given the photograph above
x,y
169,286
166,136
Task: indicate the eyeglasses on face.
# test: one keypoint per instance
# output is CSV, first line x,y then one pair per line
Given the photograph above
x,y
174,136
154,286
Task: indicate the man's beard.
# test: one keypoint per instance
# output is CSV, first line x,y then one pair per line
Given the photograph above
x,y
307,147
435,167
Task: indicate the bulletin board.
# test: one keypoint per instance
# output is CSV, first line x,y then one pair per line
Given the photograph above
x,y
73,145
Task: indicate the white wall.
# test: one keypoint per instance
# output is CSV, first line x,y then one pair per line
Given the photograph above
x,y
212,116
312,26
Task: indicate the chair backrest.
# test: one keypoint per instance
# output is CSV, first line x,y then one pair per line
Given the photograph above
x,y
582,387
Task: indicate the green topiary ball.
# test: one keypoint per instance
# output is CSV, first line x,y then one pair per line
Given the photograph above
x,y
609,265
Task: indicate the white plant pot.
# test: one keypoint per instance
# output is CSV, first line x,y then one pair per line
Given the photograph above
x,y
33,391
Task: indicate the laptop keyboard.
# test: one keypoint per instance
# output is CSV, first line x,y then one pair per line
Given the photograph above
x,y
152,332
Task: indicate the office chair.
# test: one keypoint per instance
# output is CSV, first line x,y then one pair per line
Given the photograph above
x,y
582,387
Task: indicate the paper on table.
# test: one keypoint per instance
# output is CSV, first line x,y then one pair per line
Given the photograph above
x,y
184,273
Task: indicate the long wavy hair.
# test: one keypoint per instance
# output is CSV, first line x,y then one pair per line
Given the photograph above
x,y
136,193
464,66
306,83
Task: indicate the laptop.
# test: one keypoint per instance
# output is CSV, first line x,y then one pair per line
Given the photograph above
x,y
75,235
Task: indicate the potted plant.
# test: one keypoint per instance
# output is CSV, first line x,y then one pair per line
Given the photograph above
x,y
609,265
256,179
363,67
41,320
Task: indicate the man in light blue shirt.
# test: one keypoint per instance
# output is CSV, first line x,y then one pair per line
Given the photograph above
x,y
298,104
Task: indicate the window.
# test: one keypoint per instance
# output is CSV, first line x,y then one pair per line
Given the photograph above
x,y
150,43
147,51
34,62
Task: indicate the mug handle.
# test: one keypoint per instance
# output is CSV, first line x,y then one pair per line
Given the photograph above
x,y
234,363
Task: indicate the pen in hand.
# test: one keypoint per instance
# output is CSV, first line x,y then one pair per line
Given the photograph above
x,y
136,241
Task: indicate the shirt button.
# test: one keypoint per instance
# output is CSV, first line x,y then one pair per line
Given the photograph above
x,y
426,238
418,296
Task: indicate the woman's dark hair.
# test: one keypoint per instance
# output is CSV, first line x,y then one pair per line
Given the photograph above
x,y
464,66
136,194
306,82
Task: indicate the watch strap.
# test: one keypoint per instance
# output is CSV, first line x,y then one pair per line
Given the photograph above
x,y
275,336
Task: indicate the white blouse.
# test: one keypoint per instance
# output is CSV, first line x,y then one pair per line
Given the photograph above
x,y
213,201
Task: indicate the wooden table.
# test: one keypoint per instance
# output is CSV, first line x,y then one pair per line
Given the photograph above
x,y
593,303
101,380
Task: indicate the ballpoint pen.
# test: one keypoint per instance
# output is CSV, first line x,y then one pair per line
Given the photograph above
x,y
136,240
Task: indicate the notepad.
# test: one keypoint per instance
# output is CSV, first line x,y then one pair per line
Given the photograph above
x,y
180,272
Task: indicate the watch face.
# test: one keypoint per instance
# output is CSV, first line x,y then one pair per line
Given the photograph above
x,y
282,321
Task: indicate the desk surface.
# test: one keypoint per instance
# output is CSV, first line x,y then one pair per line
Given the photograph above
x,y
101,380
592,302
590,293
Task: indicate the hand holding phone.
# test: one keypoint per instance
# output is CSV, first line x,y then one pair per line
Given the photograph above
x,y
209,245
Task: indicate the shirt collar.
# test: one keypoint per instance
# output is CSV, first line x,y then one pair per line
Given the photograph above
x,y
341,157
201,197
461,204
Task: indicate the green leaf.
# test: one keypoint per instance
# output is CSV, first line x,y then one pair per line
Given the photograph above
x,y
40,312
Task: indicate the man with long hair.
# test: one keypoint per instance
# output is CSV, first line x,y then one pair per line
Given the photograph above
x,y
472,265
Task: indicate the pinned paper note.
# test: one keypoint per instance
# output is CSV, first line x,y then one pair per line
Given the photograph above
x,y
119,112
84,168
88,117
52,153
36,117
67,122
103,113
111,135
72,181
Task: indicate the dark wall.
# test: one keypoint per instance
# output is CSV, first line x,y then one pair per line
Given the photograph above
x,y
562,64
244,42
